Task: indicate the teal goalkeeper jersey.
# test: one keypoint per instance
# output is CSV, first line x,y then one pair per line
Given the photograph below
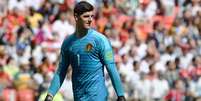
x,y
87,56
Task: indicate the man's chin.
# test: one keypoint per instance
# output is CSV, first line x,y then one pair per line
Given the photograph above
x,y
87,27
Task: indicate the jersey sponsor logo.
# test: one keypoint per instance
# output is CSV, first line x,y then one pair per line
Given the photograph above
x,y
89,47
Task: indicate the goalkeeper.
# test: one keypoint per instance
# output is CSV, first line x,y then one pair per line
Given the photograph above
x,y
87,51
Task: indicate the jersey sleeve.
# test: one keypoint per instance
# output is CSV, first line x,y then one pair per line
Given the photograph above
x,y
60,73
108,60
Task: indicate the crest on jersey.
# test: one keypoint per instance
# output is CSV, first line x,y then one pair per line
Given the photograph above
x,y
89,47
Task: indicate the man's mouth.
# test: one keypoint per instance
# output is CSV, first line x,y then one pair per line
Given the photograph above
x,y
88,23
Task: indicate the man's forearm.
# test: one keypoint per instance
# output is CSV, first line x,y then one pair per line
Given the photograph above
x,y
55,85
115,78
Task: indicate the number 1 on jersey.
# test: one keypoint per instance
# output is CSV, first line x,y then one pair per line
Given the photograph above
x,y
78,59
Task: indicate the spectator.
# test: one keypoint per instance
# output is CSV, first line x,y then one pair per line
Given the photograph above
x,y
176,93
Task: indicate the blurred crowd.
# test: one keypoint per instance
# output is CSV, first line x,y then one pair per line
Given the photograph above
x,y
156,44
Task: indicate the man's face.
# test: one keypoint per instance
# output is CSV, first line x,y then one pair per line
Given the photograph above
x,y
85,19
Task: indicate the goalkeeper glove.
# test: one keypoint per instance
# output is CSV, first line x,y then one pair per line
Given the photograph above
x,y
49,97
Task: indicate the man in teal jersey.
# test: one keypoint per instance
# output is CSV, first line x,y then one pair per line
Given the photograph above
x,y
87,51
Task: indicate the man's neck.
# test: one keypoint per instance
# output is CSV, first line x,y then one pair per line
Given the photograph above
x,y
80,32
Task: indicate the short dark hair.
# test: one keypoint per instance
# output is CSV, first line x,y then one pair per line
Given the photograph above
x,y
81,7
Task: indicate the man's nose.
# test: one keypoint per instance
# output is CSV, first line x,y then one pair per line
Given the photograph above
x,y
90,18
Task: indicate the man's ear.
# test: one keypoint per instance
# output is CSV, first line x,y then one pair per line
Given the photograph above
x,y
75,16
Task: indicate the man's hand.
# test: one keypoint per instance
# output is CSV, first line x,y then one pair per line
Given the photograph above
x,y
121,98
49,97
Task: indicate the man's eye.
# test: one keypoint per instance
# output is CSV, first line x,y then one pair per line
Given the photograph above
x,y
86,16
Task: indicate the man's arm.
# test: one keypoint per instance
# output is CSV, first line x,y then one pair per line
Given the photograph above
x,y
116,81
59,75
108,59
